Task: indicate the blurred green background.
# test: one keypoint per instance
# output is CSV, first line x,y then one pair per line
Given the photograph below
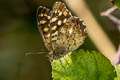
x,y
19,34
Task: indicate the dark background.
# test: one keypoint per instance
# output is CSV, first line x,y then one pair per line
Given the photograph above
x,y
19,35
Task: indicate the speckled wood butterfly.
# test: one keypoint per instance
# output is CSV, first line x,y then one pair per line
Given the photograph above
x,y
61,32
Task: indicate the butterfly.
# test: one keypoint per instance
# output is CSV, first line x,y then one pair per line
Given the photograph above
x,y
61,32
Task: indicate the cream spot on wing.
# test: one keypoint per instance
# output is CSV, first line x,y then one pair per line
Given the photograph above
x,y
48,40
47,35
65,13
53,19
48,24
80,19
70,30
38,23
45,15
48,17
54,27
83,23
40,6
70,13
64,21
85,30
59,22
55,11
63,30
54,38
43,22
41,14
60,13
55,33
45,29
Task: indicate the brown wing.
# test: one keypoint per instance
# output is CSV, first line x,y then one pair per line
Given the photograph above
x,y
71,36
60,16
60,9
43,18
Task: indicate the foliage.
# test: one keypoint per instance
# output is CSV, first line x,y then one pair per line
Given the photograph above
x,y
81,65
117,67
116,2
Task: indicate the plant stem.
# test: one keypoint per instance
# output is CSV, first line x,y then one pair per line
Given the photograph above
x,y
111,17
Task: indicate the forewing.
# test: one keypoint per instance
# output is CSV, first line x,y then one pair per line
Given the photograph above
x,y
60,16
43,18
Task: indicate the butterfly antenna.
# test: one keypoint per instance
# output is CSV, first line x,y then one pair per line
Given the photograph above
x,y
30,53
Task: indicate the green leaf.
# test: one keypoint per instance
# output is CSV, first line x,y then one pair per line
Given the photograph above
x,y
81,65
116,2
117,68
